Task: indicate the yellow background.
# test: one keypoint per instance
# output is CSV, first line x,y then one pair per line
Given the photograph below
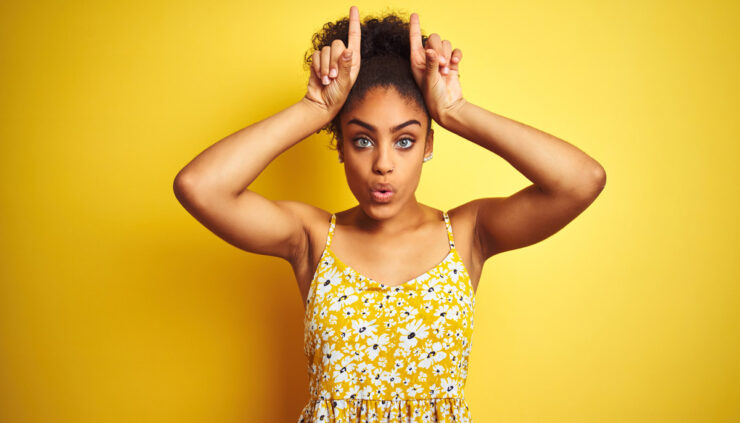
x,y
116,305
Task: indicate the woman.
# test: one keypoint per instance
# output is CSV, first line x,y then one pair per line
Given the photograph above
x,y
388,326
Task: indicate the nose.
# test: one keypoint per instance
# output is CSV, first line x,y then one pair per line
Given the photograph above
x,y
383,160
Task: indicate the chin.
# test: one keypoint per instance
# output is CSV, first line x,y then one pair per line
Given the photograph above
x,y
380,210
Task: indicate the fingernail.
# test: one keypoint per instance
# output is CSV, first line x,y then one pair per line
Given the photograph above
x,y
325,80
445,70
333,73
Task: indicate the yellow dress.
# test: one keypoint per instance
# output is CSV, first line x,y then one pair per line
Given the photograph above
x,y
382,353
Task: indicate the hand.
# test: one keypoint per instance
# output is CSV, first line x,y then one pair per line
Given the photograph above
x,y
435,68
334,69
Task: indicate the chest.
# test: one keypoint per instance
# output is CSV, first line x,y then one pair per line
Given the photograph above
x,y
394,263
391,263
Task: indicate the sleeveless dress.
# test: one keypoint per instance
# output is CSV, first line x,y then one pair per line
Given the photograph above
x,y
382,353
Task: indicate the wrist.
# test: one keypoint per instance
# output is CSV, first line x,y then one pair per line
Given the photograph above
x,y
452,117
318,112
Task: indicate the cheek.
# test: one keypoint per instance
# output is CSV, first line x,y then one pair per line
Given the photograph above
x,y
356,177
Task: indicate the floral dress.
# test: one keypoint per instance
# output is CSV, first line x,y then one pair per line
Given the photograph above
x,y
382,353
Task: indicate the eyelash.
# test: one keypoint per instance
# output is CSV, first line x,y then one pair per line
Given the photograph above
x,y
404,138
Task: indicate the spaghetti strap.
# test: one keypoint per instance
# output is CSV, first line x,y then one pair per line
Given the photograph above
x,y
330,235
449,230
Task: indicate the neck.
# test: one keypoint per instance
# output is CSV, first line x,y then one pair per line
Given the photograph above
x,y
409,217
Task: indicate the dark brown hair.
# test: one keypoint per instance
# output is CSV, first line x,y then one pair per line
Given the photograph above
x,y
384,51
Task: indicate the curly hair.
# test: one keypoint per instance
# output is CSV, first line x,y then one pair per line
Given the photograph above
x,y
384,50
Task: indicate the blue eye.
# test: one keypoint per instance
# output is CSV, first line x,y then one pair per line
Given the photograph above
x,y
359,139
410,144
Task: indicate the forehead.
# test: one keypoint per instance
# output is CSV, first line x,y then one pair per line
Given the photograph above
x,y
383,108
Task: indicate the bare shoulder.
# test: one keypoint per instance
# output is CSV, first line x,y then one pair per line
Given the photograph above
x,y
462,219
463,223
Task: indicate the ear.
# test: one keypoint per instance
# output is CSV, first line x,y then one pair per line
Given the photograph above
x,y
340,148
429,145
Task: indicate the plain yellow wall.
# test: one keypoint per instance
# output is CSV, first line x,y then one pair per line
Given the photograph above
x,y
116,305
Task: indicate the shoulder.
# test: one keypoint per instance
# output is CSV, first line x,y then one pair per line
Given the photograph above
x,y
463,217
463,220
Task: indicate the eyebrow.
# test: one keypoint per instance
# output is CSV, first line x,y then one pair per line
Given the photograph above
x,y
374,129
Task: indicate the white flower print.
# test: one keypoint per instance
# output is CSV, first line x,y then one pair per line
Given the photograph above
x,y
391,376
433,354
377,344
430,288
456,269
380,390
438,370
415,390
409,312
442,312
331,278
327,334
397,393
449,387
344,369
411,333
363,329
339,404
433,390
330,355
345,296
348,313
376,377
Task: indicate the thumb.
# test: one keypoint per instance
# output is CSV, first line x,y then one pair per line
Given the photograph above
x,y
432,62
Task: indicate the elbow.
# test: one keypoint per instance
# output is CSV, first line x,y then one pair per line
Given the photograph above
x,y
600,177
597,182
183,187
590,184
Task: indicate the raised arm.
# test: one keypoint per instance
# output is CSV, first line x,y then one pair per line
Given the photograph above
x,y
565,179
214,186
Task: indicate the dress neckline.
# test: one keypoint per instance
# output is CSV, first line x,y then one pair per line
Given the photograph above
x,y
382,284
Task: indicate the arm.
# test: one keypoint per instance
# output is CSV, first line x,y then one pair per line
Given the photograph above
x,y
214,187
565,179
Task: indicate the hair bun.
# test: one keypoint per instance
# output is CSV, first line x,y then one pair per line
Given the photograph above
x,y
384,51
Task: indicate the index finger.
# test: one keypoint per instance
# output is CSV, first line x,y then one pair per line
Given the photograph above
x,y
414,32
353,42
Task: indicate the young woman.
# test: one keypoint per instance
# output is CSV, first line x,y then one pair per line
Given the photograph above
x,y
389,289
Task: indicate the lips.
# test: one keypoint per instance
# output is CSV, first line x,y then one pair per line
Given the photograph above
x,y
382,193
382,187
